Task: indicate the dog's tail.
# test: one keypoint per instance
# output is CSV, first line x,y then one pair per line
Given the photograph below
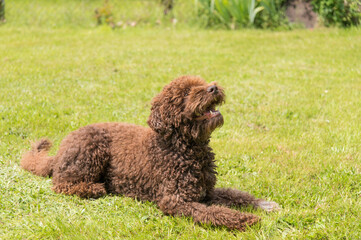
x,y
37,160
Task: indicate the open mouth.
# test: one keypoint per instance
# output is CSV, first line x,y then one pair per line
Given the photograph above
x,y
209,113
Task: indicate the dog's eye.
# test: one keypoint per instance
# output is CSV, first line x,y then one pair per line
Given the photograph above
x,y
186,92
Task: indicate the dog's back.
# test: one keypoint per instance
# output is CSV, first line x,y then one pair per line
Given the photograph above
x,y
96,159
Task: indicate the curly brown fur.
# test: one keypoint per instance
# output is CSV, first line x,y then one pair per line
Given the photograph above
x,y
170,163
37,160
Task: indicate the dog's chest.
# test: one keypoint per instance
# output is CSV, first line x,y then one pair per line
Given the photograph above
x,y
189,174
193,184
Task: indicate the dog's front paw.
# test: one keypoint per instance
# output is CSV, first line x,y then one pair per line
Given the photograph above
x,y
267,206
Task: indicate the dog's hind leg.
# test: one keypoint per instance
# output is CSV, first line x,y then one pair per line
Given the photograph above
x,y
235,198
81,189
201,213
81,163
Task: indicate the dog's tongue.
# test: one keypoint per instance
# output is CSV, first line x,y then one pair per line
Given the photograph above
x,y
209,114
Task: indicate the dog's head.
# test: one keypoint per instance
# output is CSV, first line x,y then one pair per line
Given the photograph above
x,y
187,106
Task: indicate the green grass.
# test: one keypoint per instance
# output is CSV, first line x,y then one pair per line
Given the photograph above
x,y
291,133
81,13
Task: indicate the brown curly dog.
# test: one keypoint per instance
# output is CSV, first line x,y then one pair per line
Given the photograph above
x,y
170,163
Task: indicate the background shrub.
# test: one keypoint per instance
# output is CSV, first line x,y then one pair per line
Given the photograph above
x,y
338,12
273,15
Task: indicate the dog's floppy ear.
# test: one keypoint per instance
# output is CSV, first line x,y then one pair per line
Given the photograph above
x,y
165,116
155,120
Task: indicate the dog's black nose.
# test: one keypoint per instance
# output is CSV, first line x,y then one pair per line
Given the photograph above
x,y
212,89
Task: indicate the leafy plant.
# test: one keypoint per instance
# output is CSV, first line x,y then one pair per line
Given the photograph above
x,y
168,5
253,11
237,13
2,10
339,12
104,14
273,15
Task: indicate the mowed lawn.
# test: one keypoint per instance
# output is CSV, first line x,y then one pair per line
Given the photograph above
x,y
292,129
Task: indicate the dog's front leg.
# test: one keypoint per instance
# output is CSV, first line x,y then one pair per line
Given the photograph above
x,y
201,213
232,197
